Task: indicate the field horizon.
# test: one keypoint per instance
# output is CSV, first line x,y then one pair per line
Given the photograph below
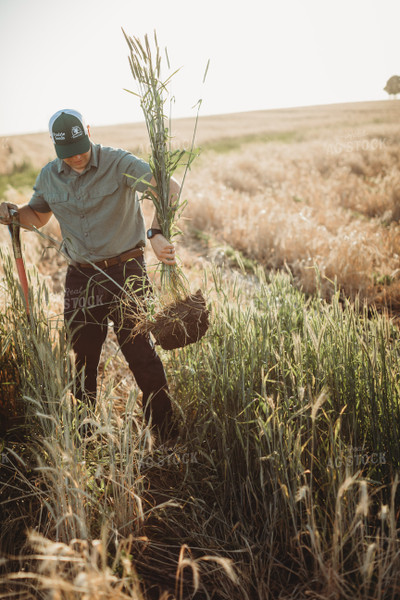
x,y
37,148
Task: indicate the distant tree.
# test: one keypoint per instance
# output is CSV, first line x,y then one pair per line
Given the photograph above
x,y
392,86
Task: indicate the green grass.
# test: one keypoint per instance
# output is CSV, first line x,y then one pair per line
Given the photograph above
x,y
22,176
229,144
231,257
282,483
292,401
270,339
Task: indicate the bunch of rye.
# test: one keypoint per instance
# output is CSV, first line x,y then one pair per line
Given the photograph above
x,y
181,317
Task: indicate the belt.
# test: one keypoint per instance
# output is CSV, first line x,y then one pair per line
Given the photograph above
x,y
110,262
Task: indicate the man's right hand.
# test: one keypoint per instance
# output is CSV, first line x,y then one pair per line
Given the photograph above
x,y
5,217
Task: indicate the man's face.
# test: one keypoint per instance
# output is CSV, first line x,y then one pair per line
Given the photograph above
x,y
78,162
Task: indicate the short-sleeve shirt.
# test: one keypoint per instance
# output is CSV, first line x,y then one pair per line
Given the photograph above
x,y
99,210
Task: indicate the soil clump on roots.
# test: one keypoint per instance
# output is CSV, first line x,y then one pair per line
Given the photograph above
x,y
181,323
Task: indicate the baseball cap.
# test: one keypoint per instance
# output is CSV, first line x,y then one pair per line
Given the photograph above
x,y
69,133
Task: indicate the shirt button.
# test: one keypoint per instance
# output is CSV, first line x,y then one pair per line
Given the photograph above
x,y
86,234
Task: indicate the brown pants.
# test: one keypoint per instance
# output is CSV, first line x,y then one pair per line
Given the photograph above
x,y
91,300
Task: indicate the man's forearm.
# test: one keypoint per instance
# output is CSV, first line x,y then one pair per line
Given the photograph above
x,y
155,224
29,218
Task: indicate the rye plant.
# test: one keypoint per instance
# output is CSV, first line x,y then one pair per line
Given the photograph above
x,y
153,92
78,496
282,485
295,406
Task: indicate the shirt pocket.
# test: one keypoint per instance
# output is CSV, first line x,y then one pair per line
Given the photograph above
x,y
103,189
56,199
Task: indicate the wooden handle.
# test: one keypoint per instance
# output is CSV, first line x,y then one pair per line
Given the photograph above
x,y
14,229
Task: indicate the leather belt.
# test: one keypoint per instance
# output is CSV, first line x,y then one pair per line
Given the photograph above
x,y
110,262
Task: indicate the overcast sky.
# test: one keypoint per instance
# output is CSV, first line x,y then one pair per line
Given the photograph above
x,y
263,54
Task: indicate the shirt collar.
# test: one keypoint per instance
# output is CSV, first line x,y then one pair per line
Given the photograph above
x,y
94,161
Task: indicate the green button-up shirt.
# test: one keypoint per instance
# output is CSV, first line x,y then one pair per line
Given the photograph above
x,y
99,211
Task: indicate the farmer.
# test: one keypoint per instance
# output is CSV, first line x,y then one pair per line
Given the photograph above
x,y
93,192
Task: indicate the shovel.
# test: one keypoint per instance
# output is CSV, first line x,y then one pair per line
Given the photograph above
x,y
14,229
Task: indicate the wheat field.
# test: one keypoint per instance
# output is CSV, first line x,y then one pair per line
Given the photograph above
x,y
283,482
308,188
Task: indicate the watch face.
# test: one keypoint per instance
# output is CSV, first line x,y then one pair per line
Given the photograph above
x,y
152,232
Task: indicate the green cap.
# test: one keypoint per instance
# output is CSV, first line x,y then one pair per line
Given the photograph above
x,y
69,133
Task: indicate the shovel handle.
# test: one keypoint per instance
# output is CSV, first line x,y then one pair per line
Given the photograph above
x,y
14,229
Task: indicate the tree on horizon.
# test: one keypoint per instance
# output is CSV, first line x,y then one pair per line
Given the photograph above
x,y
392,86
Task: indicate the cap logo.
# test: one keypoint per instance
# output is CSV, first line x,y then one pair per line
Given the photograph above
x,y
76,131
69,133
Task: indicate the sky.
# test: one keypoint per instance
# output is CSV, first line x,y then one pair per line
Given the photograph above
x,y
263,54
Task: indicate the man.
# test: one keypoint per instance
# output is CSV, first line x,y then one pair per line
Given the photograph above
x,y
93,193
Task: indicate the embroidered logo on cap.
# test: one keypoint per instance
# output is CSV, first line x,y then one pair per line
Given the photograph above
x,y
76,131
59,135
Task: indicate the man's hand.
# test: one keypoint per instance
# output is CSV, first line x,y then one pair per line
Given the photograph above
x,y
163,249
5,217
28,218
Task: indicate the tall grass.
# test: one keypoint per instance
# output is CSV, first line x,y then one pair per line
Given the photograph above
x,y
284,480
294,404
313,202
282,483
269,336
74,499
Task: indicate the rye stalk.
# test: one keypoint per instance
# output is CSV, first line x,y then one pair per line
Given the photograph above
x,y
145,63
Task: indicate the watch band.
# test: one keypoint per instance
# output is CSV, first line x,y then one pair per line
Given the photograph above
x,y
152,232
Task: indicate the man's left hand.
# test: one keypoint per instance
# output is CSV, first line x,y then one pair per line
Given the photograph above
x,y
163,249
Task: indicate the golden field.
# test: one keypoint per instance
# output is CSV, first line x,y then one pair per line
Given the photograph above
x,y
303,188
325,196
283,482
313,190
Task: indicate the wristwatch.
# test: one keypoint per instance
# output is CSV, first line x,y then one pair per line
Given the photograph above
x,y
152,232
